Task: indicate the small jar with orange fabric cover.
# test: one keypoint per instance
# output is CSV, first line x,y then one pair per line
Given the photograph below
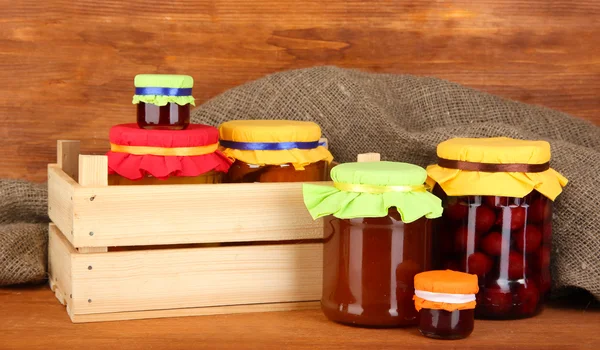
x,y
445,301
274,151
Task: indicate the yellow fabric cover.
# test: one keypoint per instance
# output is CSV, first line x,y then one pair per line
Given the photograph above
x,y
497,150
274,131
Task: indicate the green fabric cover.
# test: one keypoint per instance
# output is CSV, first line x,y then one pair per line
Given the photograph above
x,y
165,81
328,200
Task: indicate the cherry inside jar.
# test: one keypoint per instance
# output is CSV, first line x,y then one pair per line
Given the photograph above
x,y
369,267
506,242
442,324
171,116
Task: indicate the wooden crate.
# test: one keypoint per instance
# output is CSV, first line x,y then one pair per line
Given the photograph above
x,y
130,252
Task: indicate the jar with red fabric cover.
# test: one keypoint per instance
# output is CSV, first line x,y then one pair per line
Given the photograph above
x,y
497,222
149,157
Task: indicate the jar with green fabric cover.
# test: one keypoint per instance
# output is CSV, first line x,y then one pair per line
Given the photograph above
x,y
377,238
163,101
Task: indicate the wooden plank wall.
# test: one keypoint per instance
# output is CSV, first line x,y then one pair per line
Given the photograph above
x,y
66,67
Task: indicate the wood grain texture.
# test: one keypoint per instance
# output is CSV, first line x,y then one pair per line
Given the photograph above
x,y
67,67
33,319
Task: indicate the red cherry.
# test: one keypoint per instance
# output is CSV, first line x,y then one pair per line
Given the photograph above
x,y
528,239
461,239
497,300
497,201
543,257
452,265
485,218
491,244
527,298
547,232
540,210
479,264
516,215
544,280
516,267
456,211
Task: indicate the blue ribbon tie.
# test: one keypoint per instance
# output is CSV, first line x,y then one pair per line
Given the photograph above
x,y
268,146
163,91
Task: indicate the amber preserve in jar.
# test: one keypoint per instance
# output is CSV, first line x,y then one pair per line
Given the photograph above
x,y
497,223
445,301
163,101
377,237
274,151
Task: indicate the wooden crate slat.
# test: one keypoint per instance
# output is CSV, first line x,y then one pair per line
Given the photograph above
x,y
93,170
196,311
59,264
197,277
173,214
61,189
67,157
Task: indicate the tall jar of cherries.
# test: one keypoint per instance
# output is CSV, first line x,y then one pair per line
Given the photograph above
x,y
497,195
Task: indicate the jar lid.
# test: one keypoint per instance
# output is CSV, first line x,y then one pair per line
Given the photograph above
x,y
498,166
369,189
273,142
445,290
137,152
161,89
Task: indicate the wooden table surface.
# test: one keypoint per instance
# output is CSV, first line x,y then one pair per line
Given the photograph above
x,y
31,318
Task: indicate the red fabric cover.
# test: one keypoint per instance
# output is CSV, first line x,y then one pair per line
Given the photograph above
x,y
134,167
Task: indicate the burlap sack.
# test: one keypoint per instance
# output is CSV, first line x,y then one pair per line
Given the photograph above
x,y
404,117
23,232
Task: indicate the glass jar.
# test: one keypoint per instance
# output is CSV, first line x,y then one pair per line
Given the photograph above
x,y
165,157
445,300
442,324
496,226
168,117
369,266
163,101
243,172
506,241
377,237
274,151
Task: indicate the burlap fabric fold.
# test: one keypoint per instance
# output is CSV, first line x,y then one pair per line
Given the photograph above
x,y
404,117
23,232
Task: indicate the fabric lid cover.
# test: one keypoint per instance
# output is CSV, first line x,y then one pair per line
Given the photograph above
x,y
274,131
164,81
497,150
446,290
412,204
150,146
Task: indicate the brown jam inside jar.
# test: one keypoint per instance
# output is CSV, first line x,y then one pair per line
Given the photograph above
x,y
442,324
506,242
245,173
369,266
168,117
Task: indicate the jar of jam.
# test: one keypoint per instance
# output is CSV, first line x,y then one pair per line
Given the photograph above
x,y
445,301
377,238
497,223
274,151
163,101
156,157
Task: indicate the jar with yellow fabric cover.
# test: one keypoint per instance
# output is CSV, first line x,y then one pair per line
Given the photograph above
x,y
274,151
497,222
377,237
